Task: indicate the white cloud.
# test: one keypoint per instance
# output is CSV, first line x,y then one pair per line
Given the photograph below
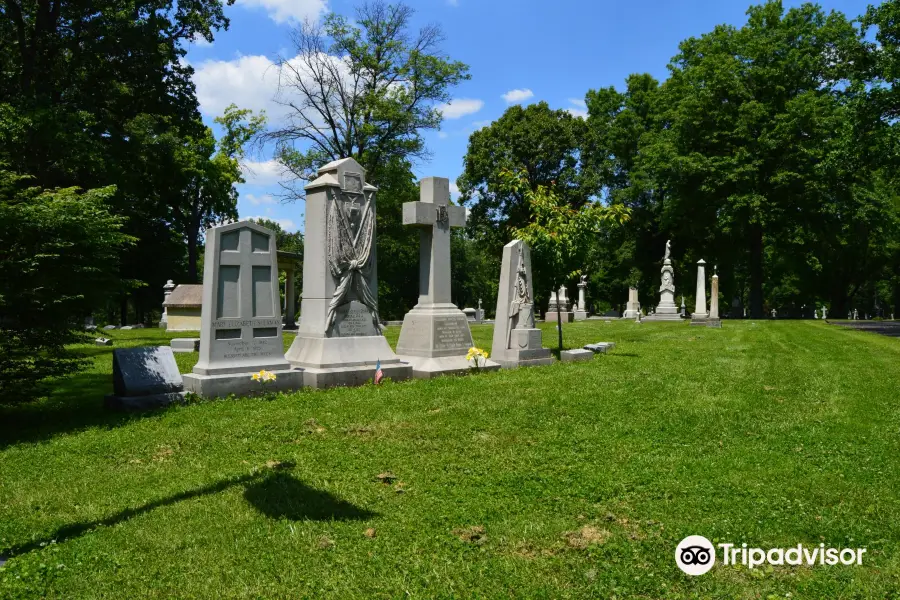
x,y
480,124
443,135
268,172
286,224
200,41
454,190
517,96
577,112
257,200
284,11
248,81
460,107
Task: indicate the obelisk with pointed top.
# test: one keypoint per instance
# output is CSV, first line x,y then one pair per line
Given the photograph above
x,y
435,336
700,315
714,320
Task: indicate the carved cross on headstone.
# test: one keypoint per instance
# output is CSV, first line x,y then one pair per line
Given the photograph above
x,y
435,216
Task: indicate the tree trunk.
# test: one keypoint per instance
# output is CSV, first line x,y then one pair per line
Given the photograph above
x,y
559,322
756,271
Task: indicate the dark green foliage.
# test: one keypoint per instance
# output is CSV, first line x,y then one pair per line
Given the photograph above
x,y
59,258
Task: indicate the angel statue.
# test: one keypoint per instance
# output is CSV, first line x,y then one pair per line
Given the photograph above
x,y
668,249
350,233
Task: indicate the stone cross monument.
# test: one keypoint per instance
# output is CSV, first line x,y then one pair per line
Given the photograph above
x,y
666,310
339,339
700,315
435,336
517,341
240,321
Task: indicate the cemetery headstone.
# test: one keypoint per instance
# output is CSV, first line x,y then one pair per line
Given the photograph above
x,y
666,311
126,328
700,315
102,341
240,328
683,308
479,313
581,311
339,339
825,313
185,345
633,307
576,355
517,341
109,327
435,337
144,378
562,307
714,320
167,291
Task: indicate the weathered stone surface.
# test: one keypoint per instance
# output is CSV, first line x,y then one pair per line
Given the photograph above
x,y
578,354
600,347
109,327
517,342
666,310
633,307
435,336
102,341
339,339
144,378
700,313
240,330
185,345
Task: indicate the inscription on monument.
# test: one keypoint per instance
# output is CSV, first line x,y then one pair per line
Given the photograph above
x,y
354,319
451,333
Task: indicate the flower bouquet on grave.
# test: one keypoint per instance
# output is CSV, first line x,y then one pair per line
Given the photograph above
x,y
264,378
477,357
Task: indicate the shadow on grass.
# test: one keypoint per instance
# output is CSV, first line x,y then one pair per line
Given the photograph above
x,y
281,496
75,404
275,495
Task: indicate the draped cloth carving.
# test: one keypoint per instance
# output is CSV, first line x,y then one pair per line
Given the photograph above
x,y
350,231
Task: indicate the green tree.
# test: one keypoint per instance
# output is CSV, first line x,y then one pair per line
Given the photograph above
x,y
361,88
58,259
558,233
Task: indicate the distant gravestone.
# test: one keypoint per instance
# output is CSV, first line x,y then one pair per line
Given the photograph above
x,y
102,341
714,320
109,327
339,339
560,310
240,329
700,315
580,309
576,355
633,307
667,309
144,378
435,337
517,341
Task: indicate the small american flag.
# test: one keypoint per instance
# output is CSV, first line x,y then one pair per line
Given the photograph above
x,y
379,374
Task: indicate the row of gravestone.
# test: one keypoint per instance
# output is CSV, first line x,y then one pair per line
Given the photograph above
x,y
340,339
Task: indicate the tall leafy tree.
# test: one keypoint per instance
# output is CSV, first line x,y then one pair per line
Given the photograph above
x,y
362,88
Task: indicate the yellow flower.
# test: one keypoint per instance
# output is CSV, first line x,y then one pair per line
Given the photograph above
x,y
263,376
255,377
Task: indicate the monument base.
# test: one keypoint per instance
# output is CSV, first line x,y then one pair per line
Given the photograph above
x,y
185,344
576,355
699,320
714,323
241,384
630,314
427,368
113,402
329,362
526,350
567,317
580,315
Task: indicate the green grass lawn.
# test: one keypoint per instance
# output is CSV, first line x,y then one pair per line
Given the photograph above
x,y
573,480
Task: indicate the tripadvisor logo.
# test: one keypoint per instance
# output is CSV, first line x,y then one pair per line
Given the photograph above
x,y
696,555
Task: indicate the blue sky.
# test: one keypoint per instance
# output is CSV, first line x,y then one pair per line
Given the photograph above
x,y
519,51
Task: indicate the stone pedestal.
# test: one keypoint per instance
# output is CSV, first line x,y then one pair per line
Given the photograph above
x,y
633,307
562,307
666,310
339,339
167,291
580,309
435,336
713,319
240,328
517,342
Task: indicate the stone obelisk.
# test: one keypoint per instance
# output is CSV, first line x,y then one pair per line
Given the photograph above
x,y
714,320
700,315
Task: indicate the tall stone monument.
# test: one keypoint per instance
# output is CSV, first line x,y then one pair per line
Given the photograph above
x,y
581,312
700,315
517,341
561,307
633,307
240,322
339,339
435,336
713,320
666,310
167,291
